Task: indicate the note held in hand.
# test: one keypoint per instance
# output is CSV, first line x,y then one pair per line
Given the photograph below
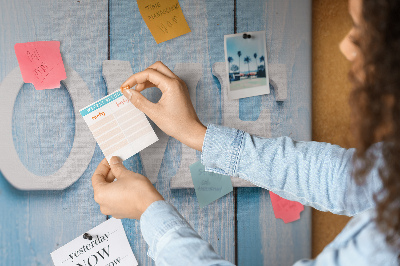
x,y
118,126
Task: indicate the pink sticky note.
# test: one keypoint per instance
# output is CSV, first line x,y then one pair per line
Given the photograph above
x,y
286,210
41,63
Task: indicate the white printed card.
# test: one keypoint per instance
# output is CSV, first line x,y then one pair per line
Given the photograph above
x,y
118,126
108,246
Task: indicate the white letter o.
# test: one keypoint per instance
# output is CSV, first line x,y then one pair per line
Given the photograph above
x,y
82,149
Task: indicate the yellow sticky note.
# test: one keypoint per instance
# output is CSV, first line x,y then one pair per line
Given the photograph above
x,y
164,18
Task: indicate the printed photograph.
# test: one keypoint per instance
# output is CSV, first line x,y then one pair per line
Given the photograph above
x,y
246,64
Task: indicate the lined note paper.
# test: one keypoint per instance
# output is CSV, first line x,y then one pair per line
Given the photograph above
x,y
118,126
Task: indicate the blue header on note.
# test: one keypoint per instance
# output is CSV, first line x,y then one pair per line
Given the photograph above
x,y
100,103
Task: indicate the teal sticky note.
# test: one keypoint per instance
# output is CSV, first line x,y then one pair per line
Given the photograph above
x,y
209,186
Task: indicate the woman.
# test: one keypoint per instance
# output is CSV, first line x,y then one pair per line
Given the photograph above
x,y
363,181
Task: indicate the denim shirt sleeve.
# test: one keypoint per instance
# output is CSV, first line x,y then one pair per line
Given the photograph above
x,y
312,173
172,241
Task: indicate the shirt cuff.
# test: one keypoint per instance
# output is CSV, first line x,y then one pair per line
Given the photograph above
x,y
158,219
221,150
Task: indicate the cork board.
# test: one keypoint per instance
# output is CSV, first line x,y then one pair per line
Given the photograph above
x,y
331,89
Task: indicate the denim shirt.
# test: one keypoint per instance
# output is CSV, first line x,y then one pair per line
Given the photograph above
x,y
312,173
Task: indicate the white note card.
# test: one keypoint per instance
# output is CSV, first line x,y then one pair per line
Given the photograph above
x,y
118,126
108,247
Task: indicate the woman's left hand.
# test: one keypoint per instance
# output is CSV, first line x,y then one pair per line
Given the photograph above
x,y
127,197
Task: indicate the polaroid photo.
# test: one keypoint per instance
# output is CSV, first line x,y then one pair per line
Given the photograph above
x,y
246,64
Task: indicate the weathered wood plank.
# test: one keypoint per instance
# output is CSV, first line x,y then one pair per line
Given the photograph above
x,y
132,41
33,224
262,239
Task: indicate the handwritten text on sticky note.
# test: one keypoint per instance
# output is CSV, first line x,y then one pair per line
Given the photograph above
x,y
164,18
287,210
41,63
209,186
108,246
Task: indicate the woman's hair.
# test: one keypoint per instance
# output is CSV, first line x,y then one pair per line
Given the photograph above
x,y
375,103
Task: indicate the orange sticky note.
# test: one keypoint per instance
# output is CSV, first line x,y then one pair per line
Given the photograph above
x,y
287,210
164,18
41,63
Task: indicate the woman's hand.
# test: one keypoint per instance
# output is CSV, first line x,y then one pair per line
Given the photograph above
x,y
174,113
127,197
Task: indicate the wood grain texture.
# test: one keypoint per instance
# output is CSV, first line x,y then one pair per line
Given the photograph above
x,y
263,239
331,89
36,223
33,224
132,41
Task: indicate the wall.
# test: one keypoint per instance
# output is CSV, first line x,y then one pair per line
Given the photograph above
x,y
331,89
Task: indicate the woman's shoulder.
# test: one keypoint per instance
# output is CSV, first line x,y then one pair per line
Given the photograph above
x,y
363,239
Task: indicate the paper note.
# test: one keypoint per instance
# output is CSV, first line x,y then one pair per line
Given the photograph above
x,y
246,64
164,18
286,210
108,246
118,126
209,186
41,63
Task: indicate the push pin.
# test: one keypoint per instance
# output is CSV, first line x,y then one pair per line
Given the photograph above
x,y
88,236
125,88
246,36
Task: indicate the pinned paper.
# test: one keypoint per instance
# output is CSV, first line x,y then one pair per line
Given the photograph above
x,y
164,18
41,63
209,186
118,126
108,246
288,211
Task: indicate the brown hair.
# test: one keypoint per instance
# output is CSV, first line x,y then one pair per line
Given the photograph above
x,y
375,103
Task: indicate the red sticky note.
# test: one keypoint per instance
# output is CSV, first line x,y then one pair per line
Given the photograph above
x,y
41,63
288,211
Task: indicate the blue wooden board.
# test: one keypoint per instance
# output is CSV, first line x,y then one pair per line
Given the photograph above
x,y
33,224
262,239
132,41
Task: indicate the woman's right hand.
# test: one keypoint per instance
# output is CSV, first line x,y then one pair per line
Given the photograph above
x,y
173,113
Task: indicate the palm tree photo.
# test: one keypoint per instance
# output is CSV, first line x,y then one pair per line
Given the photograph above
x,y
255,60
262,60
230,59
239,55
247,60
239,51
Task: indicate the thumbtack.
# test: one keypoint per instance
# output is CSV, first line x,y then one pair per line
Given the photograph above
x,y
88,236
246,36
125,88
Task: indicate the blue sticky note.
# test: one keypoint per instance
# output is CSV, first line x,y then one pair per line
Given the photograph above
x,y
209,186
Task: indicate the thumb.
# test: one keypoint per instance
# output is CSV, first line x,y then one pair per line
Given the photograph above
x,y
117,167
139,101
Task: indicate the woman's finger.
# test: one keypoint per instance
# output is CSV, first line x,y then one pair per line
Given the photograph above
x,y
100,174
142,86
159,80
141,103
110,177
160,67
